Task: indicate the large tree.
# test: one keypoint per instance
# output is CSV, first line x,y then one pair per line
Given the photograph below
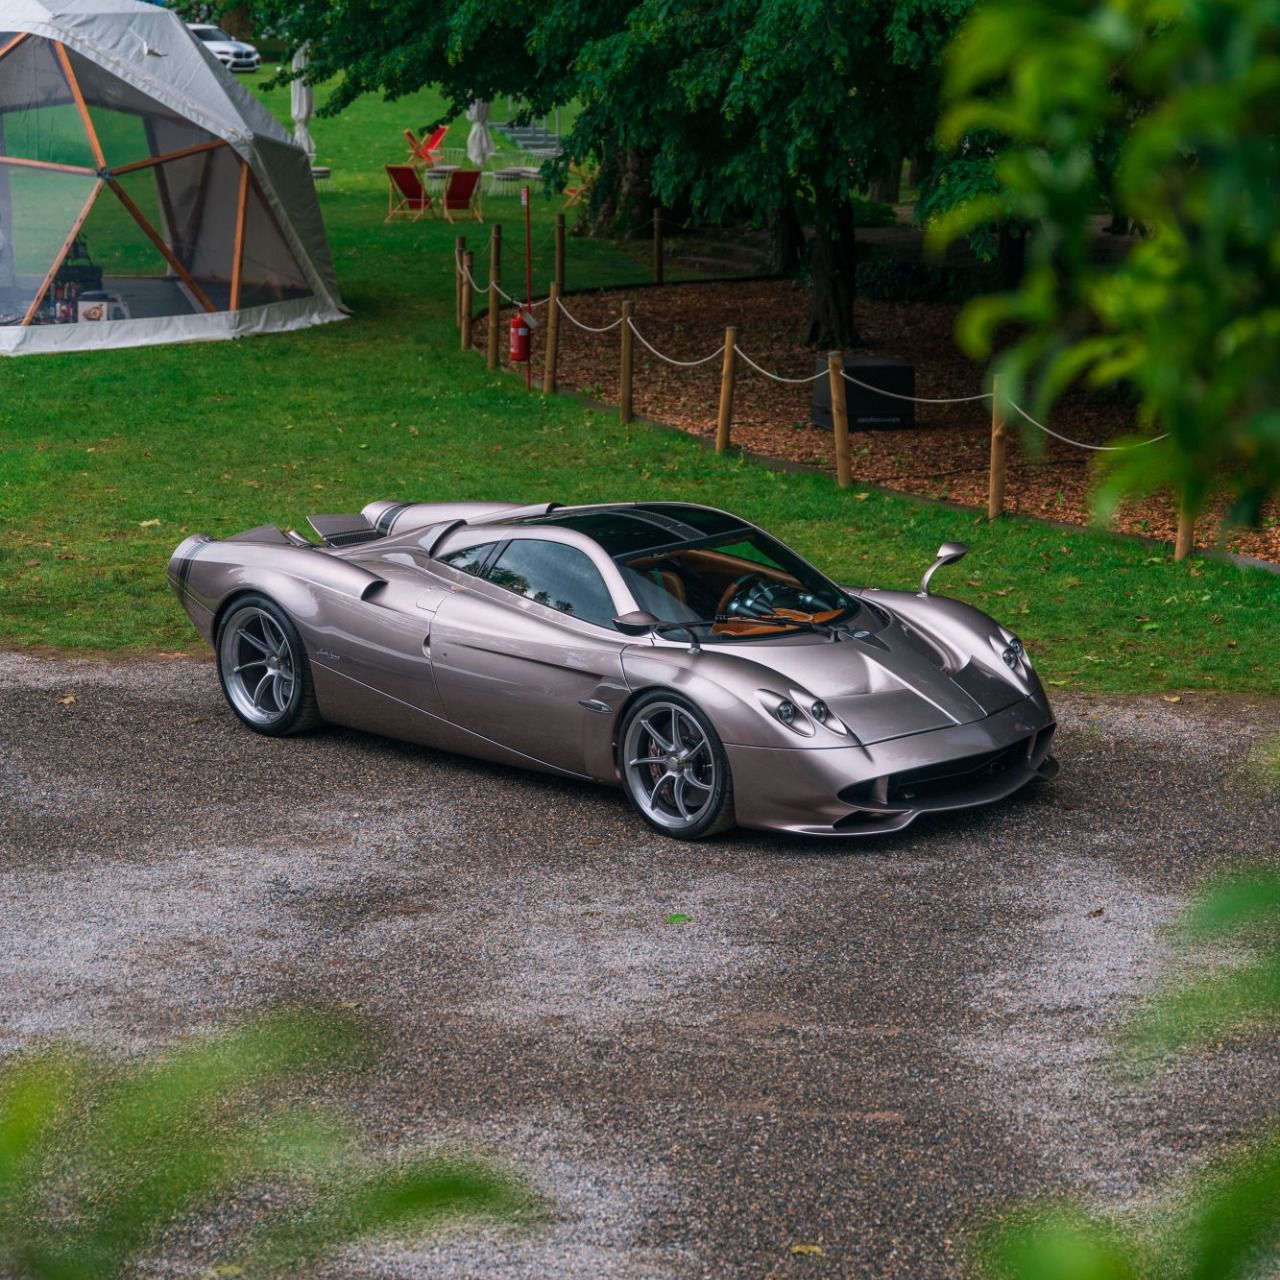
x,y
777,110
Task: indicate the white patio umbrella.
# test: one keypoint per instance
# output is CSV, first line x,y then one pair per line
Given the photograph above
x,y
302,100
479,142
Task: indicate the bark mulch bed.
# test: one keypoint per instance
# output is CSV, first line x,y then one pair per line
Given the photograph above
x,y
944,456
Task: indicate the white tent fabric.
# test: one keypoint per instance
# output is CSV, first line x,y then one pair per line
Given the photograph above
x,y
302,102
144,195
480,145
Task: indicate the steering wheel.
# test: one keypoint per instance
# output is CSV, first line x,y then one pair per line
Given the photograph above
x,y
752,598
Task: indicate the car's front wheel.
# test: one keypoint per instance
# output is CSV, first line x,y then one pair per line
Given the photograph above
x,y
263,668
674,768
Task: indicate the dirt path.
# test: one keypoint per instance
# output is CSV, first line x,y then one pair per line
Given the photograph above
x,y
859,1046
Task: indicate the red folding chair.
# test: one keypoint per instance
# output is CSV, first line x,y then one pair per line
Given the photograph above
x,y
406,196
425,150
462,194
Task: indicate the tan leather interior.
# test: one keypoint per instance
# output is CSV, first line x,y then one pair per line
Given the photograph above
x,y
715,569
746,627
672,584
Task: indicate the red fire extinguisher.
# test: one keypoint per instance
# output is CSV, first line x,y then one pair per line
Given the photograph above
x,y
519,338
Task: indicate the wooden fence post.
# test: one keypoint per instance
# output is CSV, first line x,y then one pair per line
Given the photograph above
x,y
1184,541
999,443
493,323
495,252
560,251
624,390
553,341
657,244
459,250
726,389
468,262
839,416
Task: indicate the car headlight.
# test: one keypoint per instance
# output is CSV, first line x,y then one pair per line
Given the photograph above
x,y
1013,653
801,711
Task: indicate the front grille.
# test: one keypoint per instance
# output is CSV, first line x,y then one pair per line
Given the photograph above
x,y
930,781
914,788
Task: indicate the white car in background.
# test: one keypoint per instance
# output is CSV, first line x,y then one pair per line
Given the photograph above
x,y
235,55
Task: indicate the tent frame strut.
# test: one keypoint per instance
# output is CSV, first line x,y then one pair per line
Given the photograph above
x,y
237,263
14,43
85,118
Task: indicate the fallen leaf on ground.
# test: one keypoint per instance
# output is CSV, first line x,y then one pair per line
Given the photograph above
x,y
66,700
147,524
815,1249
1171,697
677,918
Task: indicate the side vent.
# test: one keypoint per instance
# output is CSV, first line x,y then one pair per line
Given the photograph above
x,y
343,531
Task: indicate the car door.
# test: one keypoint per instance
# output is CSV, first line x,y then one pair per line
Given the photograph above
x,y
518,652
382,641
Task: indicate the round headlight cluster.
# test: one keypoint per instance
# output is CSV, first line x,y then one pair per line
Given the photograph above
x,y
802,713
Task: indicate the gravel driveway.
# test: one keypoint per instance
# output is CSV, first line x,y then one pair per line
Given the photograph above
x,y
858,1046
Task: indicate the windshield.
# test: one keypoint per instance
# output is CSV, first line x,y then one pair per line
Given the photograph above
x,y
212,33
745,583
685,563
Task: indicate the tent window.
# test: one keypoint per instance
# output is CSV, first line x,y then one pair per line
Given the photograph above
x,y
39,120
130,125
269,271
39,209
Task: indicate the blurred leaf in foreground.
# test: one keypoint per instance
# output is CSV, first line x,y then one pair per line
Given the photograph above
x,y
99,1158
1226,1225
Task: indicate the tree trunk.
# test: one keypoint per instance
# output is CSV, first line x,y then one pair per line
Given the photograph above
x,y
887,188
833,265
1011,254
788,240
623,203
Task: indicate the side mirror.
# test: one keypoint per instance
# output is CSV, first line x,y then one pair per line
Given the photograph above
x,y
635,623
948,553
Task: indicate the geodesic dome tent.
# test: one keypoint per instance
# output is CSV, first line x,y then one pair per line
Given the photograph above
x,y
144,195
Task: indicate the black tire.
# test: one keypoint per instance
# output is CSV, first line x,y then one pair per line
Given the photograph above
x,y
263,669
687,792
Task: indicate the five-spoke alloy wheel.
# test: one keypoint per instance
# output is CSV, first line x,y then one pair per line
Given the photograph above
x,y
673,767
264,670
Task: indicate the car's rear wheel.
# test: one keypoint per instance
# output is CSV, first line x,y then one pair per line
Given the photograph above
x,y
674,768
264,670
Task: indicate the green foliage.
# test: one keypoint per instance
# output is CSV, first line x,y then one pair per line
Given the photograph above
x,y
98,1158
1227,1222
727,109
1189,316
957,183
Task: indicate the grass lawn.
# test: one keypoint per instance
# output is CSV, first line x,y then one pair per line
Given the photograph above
x,y
108,459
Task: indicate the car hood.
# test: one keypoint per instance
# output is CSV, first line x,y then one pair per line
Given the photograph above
x,y
886,684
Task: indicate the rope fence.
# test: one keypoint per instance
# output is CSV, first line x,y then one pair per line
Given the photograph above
x,y
731,352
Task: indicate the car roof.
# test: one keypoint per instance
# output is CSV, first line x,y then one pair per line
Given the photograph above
x,y
629,529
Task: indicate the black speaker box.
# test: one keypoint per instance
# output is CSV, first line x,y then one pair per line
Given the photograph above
x,y
868,409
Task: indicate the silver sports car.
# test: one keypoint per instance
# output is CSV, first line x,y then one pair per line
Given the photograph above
x,y
674,650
